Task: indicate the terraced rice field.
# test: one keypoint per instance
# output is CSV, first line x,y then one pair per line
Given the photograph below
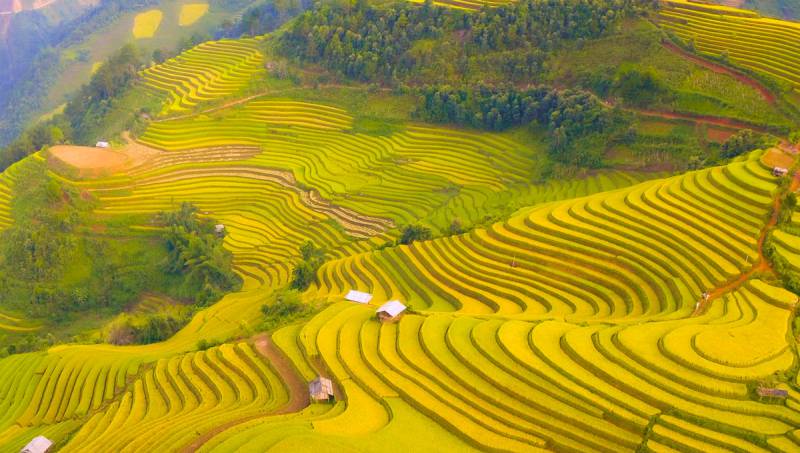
x,y
644,252
519,386
178,397
763,45
562,321
423,172
210,71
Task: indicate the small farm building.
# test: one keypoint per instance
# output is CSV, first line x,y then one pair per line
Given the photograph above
x,y
321,390
779,171
219,229
102,144
358,296
391,311
39,444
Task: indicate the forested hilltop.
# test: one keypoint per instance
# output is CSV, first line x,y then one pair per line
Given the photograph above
x,y
371,225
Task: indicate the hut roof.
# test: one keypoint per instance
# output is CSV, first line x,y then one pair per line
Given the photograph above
x,y
392,308
39,444
358,296
320,386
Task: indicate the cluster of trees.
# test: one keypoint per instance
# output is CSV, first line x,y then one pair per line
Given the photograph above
x,y
305,272
640,87
374,42
195,253
413,233
285,307
263,18
150,329
741,142
579,125
362,41
545,24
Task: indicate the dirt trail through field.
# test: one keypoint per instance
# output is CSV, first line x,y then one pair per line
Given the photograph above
x,y
718,68
296,385
703,119
763,264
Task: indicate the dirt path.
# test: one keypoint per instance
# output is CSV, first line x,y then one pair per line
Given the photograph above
x,y
230,104
705,119
762,265
718,68
298,391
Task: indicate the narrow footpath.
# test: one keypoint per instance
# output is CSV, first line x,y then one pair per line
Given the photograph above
x,y
295,384
763,264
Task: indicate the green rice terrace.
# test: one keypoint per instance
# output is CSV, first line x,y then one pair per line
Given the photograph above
x,y
280,241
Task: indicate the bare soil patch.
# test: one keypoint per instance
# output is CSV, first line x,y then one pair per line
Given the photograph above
x,y
88,158
776,157
93,162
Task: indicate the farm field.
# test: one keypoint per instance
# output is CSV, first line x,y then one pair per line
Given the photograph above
x,y
547,306
407,366
763,45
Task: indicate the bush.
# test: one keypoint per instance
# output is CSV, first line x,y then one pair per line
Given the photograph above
x,y
741,142
305,272
413,233
286,307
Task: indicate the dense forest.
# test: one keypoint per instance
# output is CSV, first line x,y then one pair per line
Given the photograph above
x,y
372,43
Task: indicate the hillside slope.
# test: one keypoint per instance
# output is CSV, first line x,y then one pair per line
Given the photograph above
x,y
549,308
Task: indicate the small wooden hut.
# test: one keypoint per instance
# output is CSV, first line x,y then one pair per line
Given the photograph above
x,y
320,390
390,311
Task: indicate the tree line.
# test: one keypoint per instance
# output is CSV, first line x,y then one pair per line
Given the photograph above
x,y
372,43
578,124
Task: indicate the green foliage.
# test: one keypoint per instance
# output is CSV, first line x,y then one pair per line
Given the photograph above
x,y
285,308
640,87
789,278
144,330
743,141
83,113
579,125
195,252
305,272
413,233
378,43
788,205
